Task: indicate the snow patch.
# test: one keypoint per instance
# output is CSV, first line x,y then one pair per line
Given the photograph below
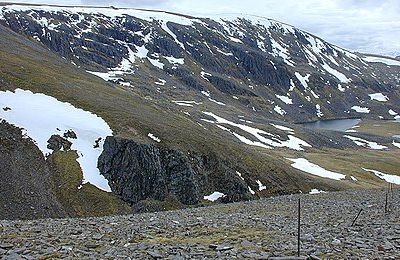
x,y
214,196
340,88
395,179
361,142
280,51
392,113
216,102
279,110
261,186
235,39
155,138
156,63
304,165
378,97
318,108
186,103
283,128
359,109
165,27
205,93
251,190
240,175
396,144
174,60
223,52
303,80
41,115
316,191
340,76
293,142
160,82
203,74
285,99
386,61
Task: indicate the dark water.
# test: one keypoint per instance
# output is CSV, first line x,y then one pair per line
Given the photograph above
x,y
340,125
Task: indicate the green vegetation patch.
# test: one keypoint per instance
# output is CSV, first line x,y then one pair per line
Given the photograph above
x,y
85,201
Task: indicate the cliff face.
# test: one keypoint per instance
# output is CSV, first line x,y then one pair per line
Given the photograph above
x,y
144,171
25,178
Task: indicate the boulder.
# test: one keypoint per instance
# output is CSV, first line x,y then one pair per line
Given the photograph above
x,y
57,143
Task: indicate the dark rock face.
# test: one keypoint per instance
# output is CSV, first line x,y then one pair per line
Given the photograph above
x,y
25,178
57,143
70,134
140,171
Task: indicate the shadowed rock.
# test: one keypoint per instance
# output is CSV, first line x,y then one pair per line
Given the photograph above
x,y
57,143
140,171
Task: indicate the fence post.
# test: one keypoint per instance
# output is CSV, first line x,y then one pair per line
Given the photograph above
x,y
355,219
298,229
386,203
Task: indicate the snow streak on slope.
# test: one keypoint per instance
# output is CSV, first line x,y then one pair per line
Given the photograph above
x,y
285,99
359,109
43,116
292,143
214,196
362,142
153,137
261,186
387,177
378,97
337,74
306,166
386,61
316,191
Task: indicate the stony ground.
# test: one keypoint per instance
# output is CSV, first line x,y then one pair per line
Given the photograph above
x,y
256,230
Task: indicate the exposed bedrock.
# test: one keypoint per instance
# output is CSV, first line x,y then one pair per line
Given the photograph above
x,y
144,171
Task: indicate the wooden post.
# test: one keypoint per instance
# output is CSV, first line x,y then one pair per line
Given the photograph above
x,y
391,190
298,230
386,203
355,219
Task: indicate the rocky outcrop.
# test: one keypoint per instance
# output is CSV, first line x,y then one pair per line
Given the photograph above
x,y
144,171
25,178
57,143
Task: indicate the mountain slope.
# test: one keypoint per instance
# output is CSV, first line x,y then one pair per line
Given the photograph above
x,y
263,63
207,104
